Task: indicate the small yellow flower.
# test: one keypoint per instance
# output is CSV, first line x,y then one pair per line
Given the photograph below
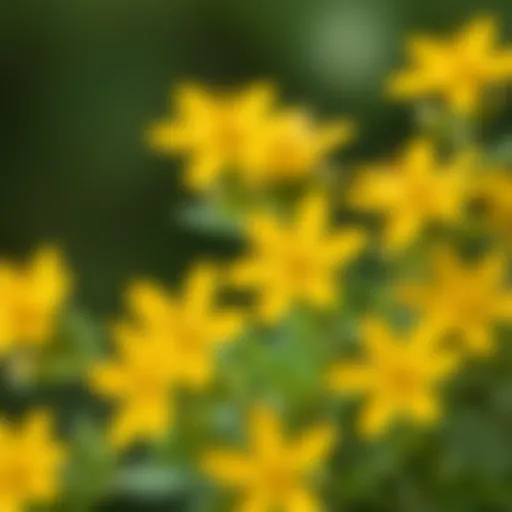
x,y
397,377
463,299
32,297
168,342
412,191
296,261
273,473
456,69
139,381
212,128
193,325
290,146
30,462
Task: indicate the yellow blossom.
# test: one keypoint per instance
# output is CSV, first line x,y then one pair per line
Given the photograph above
x,y
273,473
139,381
168,342
193,324
30,462
463,299
412,191
397,377
456,69
297,261
212,128
32,297
290,146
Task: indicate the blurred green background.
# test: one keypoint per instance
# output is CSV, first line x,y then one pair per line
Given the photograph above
x,y
82,78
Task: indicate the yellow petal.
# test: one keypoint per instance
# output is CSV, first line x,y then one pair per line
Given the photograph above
x,y
419,158
249,272
445,263
191,99
272,305
491,270
322,292
196,372
9,504
302,500
464,99
503,308
38,425
401,230
228,467
258,98
425,408
335,134
49,275
265,432
200,289
345,245
376,337
350,378
313,446
140,420
254,502
408,84
263,231
423,49
167,137
478,36
203,170
313,217
479,340
226,326
108,379
375,418
375,190
148,301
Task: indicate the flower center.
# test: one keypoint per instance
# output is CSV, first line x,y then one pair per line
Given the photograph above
x,y
287,152
471,308
149,384
402,381
299,268
27,317
465,70
229,134
190,340
15,477
420,195
276,478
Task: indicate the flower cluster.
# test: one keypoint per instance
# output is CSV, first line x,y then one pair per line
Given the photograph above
x,y
244,134
176,348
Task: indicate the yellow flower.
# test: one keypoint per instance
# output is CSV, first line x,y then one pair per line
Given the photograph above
x,y
463,299
397,377
167,343
139,380
32,297
193,325
212,128
30,462
290,146
412,191
455,69
272,474
296,261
